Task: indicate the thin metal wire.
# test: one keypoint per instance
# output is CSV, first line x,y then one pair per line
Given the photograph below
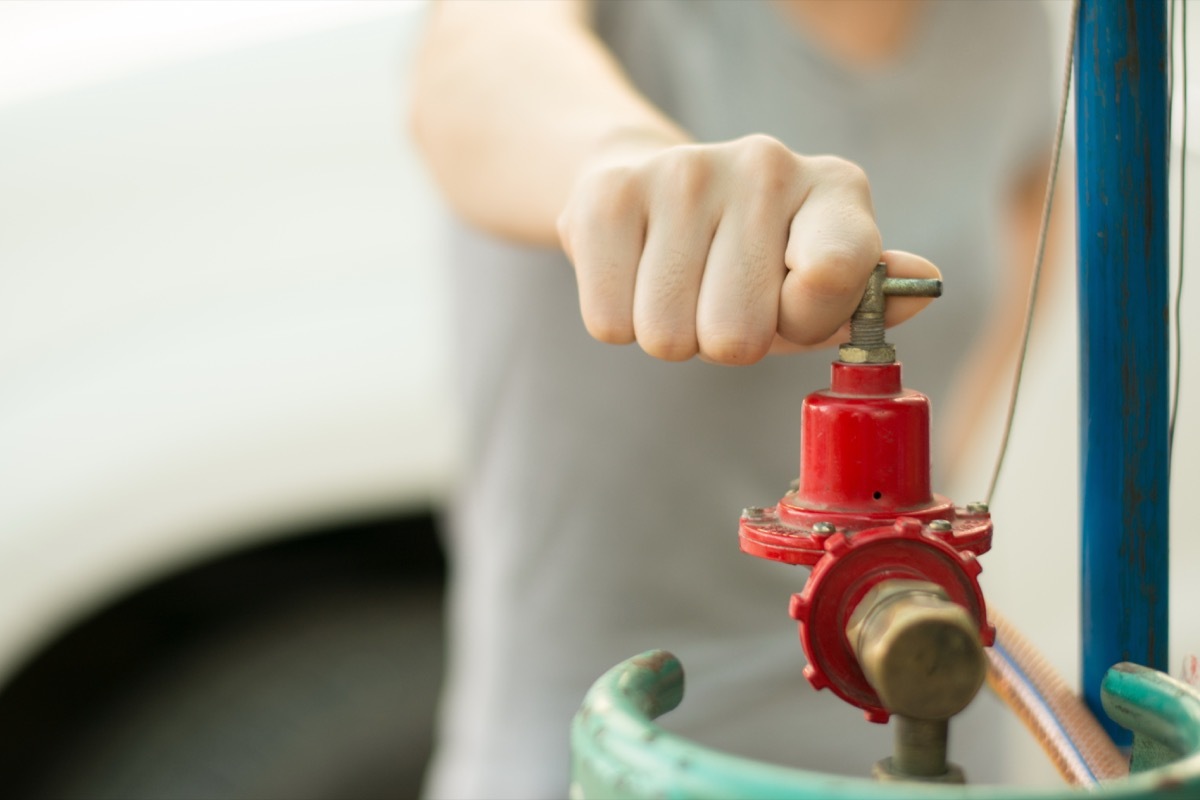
x,y
1182,235
1051,181
1171,15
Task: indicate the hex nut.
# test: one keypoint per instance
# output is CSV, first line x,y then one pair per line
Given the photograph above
x,y
876,354
884,772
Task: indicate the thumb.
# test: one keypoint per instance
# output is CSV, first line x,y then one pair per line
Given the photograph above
x,y
906,265
897,309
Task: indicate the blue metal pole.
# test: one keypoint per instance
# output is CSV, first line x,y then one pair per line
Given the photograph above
x,y
1122,138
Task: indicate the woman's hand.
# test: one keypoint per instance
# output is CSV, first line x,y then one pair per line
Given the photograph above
x,y
727,251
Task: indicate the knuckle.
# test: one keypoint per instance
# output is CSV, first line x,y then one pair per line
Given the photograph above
x,y
771,170
856,175
734,345
764,154
667,343
844,172
608,328
611,193
622,184
774,184
688,172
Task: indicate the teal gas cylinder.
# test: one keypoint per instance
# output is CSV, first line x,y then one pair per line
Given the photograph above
x,y
620,753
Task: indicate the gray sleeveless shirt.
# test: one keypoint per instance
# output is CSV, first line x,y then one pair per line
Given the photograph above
x,y
598,513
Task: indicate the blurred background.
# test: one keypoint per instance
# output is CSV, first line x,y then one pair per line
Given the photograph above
x,y
223,417
225,413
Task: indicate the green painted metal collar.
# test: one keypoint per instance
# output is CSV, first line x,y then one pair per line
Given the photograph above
x,y
619,753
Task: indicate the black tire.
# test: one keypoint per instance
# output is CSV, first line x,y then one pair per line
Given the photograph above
x,y
330,698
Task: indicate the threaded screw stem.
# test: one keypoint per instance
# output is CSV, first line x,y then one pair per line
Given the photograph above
x,y
866,329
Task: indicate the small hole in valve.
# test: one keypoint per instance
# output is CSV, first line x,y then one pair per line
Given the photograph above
x,y
878,495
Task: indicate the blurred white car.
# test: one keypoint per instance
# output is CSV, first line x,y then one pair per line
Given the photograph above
x,y
221,329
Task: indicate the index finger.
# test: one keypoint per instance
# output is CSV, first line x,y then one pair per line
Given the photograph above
x,y
833,244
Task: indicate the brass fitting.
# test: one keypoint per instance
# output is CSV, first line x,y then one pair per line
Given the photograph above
x,y
922,654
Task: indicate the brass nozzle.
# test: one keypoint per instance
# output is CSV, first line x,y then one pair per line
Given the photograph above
x,y
923,656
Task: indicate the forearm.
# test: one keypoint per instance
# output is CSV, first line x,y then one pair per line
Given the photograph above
x,y
510,100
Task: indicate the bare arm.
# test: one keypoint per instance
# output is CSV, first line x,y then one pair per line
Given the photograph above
x,y
727,250
510,99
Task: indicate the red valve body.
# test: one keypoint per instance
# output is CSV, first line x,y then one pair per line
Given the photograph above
x,y
864,444
860,514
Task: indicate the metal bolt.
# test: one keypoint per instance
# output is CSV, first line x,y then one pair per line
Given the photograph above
x,y
941,526
824,529
757,513
977,508
794,486
866,326
867,344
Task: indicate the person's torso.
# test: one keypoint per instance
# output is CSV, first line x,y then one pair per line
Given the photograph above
x,y
598,511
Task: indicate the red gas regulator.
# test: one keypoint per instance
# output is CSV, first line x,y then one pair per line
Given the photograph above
x,y
862,511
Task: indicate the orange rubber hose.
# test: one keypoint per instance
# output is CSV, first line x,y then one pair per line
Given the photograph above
x,y
1065,728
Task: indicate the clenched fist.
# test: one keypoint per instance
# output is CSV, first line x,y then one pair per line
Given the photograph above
x,y
729,251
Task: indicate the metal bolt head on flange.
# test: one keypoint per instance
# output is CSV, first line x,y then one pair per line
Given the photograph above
x,y
758,513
